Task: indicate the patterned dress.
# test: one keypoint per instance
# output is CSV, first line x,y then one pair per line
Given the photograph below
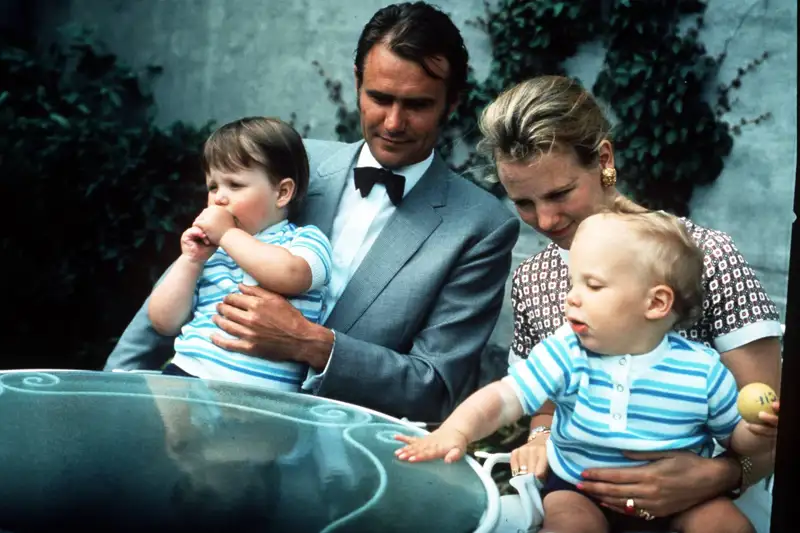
x,y
736,309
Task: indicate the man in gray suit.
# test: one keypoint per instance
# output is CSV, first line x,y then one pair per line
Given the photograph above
x,y
421,255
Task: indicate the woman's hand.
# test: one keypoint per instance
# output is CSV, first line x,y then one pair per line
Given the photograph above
x,y
531,457
671,483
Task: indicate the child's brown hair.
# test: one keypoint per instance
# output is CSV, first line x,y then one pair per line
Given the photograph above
x,y
260,142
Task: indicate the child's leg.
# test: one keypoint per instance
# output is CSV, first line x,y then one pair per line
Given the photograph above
x,y
719,515
566,511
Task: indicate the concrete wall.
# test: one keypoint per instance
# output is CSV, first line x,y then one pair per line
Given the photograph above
x,y
225,59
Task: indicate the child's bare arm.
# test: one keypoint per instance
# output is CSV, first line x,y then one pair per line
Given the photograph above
x,y
743,441
171,301
483,413
272,266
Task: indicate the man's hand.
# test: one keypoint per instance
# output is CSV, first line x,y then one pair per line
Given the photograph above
x,y
671,483
447,444
215,221
196,246
269,327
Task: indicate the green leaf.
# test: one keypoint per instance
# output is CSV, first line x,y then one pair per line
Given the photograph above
x,y
92,186
58,119
657,169
166,224
115,99
558,8
671,137
678,106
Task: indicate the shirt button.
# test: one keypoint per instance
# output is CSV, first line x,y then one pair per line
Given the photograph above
x,y
620,388
623,362
617,416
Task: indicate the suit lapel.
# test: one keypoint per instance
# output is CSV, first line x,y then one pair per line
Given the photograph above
x,y
326,188
408,228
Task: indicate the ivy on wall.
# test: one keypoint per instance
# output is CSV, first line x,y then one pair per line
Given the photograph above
x,y
670,136
104,195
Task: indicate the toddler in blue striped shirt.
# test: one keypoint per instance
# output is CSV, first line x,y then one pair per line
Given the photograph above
x,y
257,173
620,377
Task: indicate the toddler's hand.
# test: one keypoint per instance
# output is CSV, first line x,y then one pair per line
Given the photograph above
x,y
215,221
442,443
768,425
196,246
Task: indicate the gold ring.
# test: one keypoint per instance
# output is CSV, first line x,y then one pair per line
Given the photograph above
x,y
645,514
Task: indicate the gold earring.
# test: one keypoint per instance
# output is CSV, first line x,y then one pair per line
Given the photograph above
x,y
609,178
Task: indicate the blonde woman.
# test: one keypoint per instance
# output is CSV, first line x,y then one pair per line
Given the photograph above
x,y
553,152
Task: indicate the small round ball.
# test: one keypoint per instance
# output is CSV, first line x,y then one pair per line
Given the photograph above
x,y
755,398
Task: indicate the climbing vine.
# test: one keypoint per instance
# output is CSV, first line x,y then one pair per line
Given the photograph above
x,y
670,135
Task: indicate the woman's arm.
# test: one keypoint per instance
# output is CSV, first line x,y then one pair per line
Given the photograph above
x,y
171,301
274,268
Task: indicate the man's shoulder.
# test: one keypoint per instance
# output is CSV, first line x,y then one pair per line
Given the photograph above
x,y
466,195
319,151
322,146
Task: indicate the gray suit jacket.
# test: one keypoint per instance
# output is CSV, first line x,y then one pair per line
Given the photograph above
x,y
412,322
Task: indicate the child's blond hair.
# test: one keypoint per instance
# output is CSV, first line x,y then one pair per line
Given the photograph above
x,y
669,253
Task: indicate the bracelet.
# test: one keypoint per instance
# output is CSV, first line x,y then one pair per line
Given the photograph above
x,y
746,464
538,430
747,472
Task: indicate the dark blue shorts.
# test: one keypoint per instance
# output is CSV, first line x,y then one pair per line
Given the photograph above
x,y
173,370
616,521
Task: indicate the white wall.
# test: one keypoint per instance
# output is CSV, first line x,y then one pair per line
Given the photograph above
x,y
225,59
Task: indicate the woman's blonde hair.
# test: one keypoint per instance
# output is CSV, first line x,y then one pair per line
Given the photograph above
x,y
540,114
669,253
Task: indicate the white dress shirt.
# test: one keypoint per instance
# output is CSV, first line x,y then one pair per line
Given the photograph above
x,y
357,224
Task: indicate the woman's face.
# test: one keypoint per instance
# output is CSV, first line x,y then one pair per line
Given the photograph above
x,y
553,192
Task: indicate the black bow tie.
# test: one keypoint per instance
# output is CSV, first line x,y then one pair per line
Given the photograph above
x,y
366,177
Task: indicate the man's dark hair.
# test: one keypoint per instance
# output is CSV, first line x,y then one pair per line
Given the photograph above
x,y
416,31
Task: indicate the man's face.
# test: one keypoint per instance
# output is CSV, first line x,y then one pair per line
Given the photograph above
x,y
401,106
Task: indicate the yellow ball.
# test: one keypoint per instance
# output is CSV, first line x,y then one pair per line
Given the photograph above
x,y
755,398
